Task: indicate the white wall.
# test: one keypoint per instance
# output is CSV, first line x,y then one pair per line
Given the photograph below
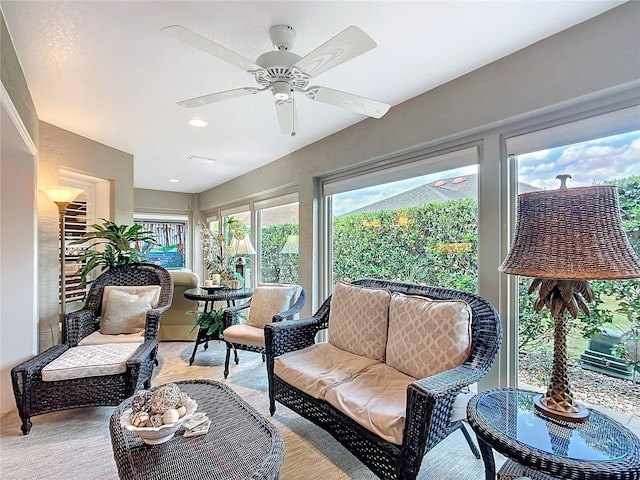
x,y
18,147
18,289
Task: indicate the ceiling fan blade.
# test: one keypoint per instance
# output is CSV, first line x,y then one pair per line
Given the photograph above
x,y
218,97
287,116
356,103
191,38
346,45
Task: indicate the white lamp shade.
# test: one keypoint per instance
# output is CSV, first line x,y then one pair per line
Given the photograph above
x,y
245,247
60,194
291,245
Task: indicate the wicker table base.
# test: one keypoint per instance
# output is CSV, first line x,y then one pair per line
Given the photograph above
x,y
240,443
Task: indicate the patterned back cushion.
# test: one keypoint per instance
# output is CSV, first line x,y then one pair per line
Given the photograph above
x,y
359,319
427,336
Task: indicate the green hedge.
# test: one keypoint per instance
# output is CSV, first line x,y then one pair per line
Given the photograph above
x,y
434,244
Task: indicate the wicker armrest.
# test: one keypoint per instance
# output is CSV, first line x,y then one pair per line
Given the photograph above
x,y
448,381
152,323
79,324
283,337
230,314
37,363
142,352
297,307
430,407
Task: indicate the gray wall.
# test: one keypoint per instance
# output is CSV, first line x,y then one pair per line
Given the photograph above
x,y
61,149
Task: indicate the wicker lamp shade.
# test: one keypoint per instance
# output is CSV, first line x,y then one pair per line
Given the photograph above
x,y
571,233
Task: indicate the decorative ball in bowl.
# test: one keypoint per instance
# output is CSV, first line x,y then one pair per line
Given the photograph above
x,y
162,433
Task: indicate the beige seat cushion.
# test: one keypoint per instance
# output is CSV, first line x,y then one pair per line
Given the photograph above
x,y
245,335
319,366
89,361
427,336
358,319
126,313
97,338
376,399
267,301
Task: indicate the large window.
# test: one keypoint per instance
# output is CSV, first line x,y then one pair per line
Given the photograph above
x,y
240,219
422,228
600,370
278,241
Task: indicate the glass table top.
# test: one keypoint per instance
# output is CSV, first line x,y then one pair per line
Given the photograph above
x,y
512,413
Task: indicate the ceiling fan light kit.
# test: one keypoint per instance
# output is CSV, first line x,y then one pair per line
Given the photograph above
x,y
284,73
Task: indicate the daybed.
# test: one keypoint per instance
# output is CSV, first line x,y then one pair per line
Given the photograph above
x,y
397,358
109,350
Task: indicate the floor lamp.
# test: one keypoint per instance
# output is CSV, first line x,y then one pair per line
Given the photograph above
x,y
62,197
563,239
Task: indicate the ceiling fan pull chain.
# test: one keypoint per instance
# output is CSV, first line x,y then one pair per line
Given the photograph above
x,y
293,116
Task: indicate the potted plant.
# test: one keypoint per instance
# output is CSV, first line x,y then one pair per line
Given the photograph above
x,y
210,322
119,246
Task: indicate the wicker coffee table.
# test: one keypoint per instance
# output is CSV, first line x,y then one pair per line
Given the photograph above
x,y
542,448
240,444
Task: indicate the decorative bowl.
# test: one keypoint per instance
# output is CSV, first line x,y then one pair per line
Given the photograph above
x,y
161,434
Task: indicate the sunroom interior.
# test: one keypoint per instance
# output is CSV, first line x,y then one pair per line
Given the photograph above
x,y
578,85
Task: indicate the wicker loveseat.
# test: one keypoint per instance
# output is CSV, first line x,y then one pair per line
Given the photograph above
x,y
356,386
36,394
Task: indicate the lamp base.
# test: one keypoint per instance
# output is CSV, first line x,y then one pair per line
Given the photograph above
x,y
575,417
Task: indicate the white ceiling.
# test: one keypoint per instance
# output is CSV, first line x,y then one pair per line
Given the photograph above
x,y
103,69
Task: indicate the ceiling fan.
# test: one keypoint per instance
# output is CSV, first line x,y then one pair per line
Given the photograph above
x,y
284,73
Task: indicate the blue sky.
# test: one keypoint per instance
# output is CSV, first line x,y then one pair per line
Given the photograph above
x,y
589,162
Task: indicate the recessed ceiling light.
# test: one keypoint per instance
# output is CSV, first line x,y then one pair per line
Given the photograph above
x,y
174,180
198,122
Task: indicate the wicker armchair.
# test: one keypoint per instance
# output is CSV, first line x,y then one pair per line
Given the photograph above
x,y
248,338
36,397
430,400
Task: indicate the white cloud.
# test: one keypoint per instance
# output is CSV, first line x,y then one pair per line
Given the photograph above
x,y
588,163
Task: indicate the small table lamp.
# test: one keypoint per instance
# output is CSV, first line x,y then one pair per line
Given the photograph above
x,y
290,245
563,239
243,247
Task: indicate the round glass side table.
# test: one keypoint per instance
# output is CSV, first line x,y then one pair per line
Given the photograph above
x,y
541,447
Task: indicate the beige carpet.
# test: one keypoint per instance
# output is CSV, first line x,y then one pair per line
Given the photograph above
x,y
76,443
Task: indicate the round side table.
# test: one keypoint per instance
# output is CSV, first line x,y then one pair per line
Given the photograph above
x,y
209,296
541,447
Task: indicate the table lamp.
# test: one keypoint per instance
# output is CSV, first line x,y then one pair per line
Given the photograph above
x,y
243,247
564,238
290,245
